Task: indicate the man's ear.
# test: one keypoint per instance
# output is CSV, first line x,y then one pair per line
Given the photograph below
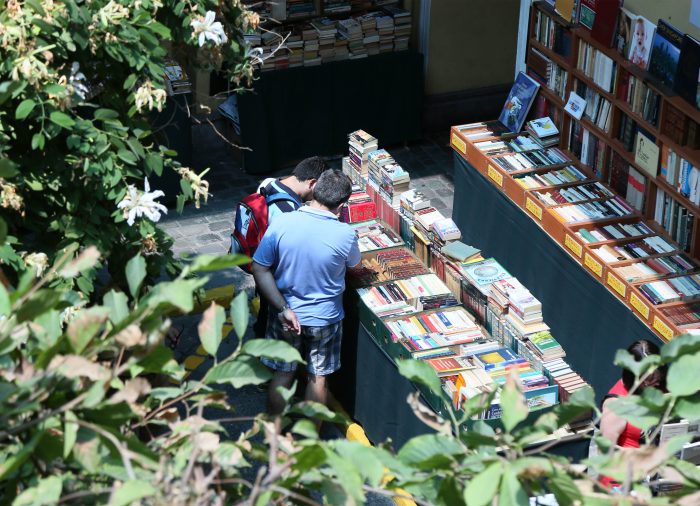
x,y
311,183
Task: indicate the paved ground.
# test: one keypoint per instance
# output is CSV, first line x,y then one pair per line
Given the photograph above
x,y
206,230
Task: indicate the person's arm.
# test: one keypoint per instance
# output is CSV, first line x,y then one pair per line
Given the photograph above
x,y
611,425
265,282
353,263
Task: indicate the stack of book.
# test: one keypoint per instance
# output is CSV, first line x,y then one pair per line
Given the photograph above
x,y
446,230
376,160
561,374
402,26
394,181
336,6
672,289
360,144
300,8
476,286
359,208
544,132
385,29
351,30
395,263
373,235
370,36
541,347
411,202
407,296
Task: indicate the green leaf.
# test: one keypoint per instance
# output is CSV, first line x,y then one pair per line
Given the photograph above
x,y
240,314
54,89
481,489
564,488
118,304
8,168
624,358
132,491
85,326
3,230
178,293
87,259
245,370
683,378
634,411
46,493
135,274
70,433
14,461
513,404
305,428
272,349
154,163
5,304
311,409
41,302
688,407
24,108
685,344
61,119
208,263
127,156
420,372
38,141
210,326
512,492
159,29
102,114
430,451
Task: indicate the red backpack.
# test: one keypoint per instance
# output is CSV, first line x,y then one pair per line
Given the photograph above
x,y
251,222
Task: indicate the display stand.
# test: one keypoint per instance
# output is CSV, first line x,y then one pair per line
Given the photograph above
x,y
294,113
585,318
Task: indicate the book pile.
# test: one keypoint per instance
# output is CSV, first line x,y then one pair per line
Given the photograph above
x,y
385,29
370,36
468,384
395,263
563,377
176,80
300,8
336,6
412,201
427,334
360,144
446,230
351,31
376,160
295,45
407,296
543,132
359,208
461,253
373,235
476,286
541,347
672,289
449,366
394,181
327,31
402,26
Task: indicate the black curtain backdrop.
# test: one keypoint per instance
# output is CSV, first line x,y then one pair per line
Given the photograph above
x,y
295,113
589,322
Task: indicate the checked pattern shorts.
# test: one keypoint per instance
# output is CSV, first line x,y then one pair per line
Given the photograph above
x,y
319,346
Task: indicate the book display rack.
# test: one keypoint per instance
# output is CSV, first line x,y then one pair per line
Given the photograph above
x,y
627,211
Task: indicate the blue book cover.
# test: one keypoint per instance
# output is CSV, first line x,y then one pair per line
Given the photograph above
x,y
520,99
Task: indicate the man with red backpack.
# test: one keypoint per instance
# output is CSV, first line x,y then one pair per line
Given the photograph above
x,y
273,198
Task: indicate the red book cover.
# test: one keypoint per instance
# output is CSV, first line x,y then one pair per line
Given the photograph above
x,y
362,212
600,17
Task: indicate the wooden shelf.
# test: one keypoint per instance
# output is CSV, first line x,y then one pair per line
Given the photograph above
x,y
692,155
579,74
677,196
685,107
555,57
625,108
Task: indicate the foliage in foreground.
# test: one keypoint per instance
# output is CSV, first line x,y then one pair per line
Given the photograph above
x,y
94,410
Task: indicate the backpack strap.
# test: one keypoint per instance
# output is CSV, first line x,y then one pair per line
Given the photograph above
x,y
279,196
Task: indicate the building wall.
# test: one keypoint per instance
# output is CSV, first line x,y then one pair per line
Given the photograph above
x,y
676,12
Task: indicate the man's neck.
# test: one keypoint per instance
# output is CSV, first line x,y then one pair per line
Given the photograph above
x,y
294,184
317,205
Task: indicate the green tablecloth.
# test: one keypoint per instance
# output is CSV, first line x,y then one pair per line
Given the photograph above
x,y
589,322
300,112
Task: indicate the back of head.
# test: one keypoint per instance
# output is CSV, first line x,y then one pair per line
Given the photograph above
x,y
332,189
310,168
641,349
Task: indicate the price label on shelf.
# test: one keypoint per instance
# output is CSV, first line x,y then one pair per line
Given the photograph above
x,y
573,245
640,306
495,176
533,208
663,329
459,144
593,265
617,285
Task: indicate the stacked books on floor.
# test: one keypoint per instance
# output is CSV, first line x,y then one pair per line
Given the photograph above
x,y
327,38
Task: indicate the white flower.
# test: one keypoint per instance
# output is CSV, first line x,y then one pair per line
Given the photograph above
x,y
37,261
208,29
149,97
78,81
138,203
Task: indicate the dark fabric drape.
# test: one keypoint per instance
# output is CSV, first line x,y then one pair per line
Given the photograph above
x,y
589,322
300,112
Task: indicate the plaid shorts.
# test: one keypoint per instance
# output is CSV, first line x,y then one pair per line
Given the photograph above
x,y
319,346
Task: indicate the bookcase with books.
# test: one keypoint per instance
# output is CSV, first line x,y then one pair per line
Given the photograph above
x,y
635,149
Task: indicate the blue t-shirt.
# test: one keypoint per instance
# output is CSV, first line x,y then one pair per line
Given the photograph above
x,y
309,251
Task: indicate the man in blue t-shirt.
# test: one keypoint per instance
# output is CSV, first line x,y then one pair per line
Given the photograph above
x,y
300,187
300,268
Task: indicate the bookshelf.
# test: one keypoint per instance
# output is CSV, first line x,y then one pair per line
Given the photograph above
x,y
600,73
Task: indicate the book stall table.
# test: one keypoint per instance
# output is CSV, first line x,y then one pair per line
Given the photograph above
x,y
294,113
589,322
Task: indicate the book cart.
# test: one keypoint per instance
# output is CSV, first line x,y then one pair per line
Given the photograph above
x,y
668,119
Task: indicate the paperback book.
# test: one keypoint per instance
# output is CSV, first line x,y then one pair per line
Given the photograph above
x,y
642,38
665,53
520,99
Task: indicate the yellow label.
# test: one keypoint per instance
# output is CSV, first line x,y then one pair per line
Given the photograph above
x,y
458,143
663,329
573,245
616,284
533,208
639,305
593,265
496,176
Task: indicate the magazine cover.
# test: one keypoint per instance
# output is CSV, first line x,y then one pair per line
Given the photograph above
x,y
665,52
520,99
642,37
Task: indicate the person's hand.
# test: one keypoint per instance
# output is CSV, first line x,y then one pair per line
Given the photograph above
x,y
289,321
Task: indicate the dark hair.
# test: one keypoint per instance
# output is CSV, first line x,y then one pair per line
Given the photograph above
x,y
310,168
639,350
332,189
